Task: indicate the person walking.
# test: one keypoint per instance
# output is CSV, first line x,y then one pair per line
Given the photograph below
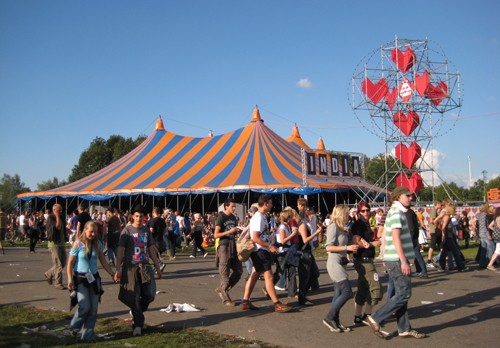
x,y
261,258
135,274
56,236
369,291
230,268
84,278
197,236
495,227
398,250
337,239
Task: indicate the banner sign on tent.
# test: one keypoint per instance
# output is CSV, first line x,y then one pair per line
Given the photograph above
x,y
333,164
311,163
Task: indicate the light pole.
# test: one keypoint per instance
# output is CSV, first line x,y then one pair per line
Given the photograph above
x,y
484,172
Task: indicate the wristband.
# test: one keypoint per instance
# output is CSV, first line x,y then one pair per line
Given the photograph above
x,y
345,247
404,262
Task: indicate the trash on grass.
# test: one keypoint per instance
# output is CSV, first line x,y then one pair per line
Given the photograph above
x,y
180,307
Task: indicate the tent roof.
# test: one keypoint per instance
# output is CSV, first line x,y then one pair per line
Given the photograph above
x,y
296,139
250,158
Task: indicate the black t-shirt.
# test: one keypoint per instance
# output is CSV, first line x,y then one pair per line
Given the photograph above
x,y
362,228
412,218
226,222
158,225
303,246
83,218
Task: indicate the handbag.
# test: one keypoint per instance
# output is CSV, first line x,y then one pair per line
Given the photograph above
x,y
244,246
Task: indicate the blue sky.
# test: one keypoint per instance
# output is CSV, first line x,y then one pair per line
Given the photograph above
x,y
74,70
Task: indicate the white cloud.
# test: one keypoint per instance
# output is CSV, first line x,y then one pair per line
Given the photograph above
x,y
431,160
305,83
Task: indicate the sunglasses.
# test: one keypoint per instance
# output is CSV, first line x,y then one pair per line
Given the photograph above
x,y
365,211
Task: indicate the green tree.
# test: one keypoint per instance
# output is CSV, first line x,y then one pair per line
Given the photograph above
x,y
10,187
50,184
375,169
102,153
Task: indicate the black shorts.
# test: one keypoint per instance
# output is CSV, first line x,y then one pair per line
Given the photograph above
x,y
435,241
262,260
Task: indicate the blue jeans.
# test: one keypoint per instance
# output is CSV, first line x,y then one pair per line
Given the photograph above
x,y
420,260
341,294
486,249
450,247
144,295
86,314
399,302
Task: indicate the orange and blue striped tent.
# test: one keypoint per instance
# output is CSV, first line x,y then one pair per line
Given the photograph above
x,y
250,158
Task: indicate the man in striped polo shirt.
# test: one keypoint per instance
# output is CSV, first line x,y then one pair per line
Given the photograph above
x,y
398,250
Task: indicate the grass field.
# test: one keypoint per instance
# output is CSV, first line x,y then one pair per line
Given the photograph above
x,y
31,327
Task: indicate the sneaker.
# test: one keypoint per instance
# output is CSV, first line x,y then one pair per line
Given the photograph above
x,y
331,325
415,274
281,307
137,331
423,276
306,303
360,319
491,268
374,326
430,265
247,305
60,287
205,255
162,266
412,334
343,328
192,256
465,269
276,287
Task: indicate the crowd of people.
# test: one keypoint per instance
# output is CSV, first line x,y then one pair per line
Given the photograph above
x,y
133,246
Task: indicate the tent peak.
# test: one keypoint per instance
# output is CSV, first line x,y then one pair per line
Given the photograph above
x,y
256,115
321,144
159,124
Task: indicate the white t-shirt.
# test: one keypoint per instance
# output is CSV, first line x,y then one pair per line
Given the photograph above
x,y
180,220
259,224
278,237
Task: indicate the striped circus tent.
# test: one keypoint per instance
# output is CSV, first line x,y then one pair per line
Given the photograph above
x,y
252,158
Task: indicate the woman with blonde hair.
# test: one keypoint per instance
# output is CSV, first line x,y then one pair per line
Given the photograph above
x,y
449,244
197,235
336,245
84,278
